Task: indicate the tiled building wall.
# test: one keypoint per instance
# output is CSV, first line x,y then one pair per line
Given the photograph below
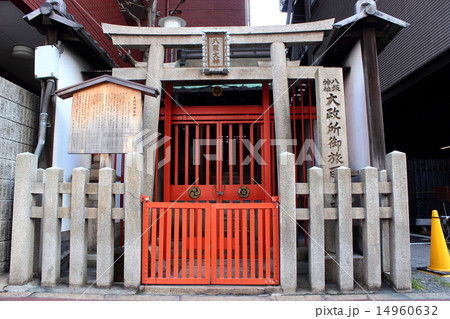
x,y
19,117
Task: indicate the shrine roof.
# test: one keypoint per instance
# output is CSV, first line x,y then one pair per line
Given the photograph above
x,y
346,32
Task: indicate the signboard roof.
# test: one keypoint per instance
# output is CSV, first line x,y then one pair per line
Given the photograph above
x,y
70,90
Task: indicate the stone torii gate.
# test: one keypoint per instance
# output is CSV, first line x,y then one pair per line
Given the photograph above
x,y
329,94
279,71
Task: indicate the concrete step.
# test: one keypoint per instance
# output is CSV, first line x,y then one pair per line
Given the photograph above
x,y
210,290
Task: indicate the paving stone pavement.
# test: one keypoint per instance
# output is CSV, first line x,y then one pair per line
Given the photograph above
x,y
425,287
33,291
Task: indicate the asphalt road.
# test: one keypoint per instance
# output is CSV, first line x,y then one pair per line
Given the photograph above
x,y
420,257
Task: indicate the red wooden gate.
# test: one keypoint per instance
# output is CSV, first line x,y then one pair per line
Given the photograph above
x,y
202,243
225,161
218,154
245,244
215,177
206,147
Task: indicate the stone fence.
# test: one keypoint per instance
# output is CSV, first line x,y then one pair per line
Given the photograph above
x,y
34,186
378,204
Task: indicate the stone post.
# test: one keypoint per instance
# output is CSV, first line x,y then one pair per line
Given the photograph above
x,y
22,236
344,237
399,230
133,219
105,229
37,259
371,229
281,103
288,223
316,240
384,224
78,228
51,228
151,116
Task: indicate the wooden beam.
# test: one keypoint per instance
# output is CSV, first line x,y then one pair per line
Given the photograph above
x,y
373,97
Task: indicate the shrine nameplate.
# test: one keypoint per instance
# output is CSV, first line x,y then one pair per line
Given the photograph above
x,y
105,118
216,52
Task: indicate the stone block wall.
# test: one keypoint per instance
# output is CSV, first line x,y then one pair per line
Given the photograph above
x,y
19,119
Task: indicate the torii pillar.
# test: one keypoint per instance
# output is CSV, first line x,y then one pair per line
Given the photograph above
x,y
151,116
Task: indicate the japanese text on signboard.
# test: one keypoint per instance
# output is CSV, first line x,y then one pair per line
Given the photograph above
x,y
215,52
334,124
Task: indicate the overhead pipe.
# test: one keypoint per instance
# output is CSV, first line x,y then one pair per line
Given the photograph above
x,y
48,83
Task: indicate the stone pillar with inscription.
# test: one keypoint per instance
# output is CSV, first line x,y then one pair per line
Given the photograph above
x,y
332,140
331,120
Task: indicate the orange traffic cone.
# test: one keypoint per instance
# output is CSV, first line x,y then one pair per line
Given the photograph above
x,y
439,256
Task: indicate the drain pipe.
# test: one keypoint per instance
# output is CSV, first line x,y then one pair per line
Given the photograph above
x,y
43,117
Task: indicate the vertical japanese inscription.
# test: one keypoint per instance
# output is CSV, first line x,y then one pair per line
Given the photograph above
x,y
216,52
216,49
104,119
331,120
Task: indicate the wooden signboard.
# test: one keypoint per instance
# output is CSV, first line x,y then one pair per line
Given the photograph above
x,y
106,115
216,52
104,119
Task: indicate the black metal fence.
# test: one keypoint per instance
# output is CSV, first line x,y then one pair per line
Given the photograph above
x,y
424,176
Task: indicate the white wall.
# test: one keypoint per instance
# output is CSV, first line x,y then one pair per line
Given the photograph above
x,y
266,12
70,68
356,111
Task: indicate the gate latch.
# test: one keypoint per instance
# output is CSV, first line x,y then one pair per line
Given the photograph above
x,y
145,198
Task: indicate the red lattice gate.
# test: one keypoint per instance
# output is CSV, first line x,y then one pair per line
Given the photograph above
x,y
202,243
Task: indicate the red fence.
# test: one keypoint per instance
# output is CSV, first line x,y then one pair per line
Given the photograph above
x,y
202,243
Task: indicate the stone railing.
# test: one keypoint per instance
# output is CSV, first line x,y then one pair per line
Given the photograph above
x,y
377,204
38,209
379,201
